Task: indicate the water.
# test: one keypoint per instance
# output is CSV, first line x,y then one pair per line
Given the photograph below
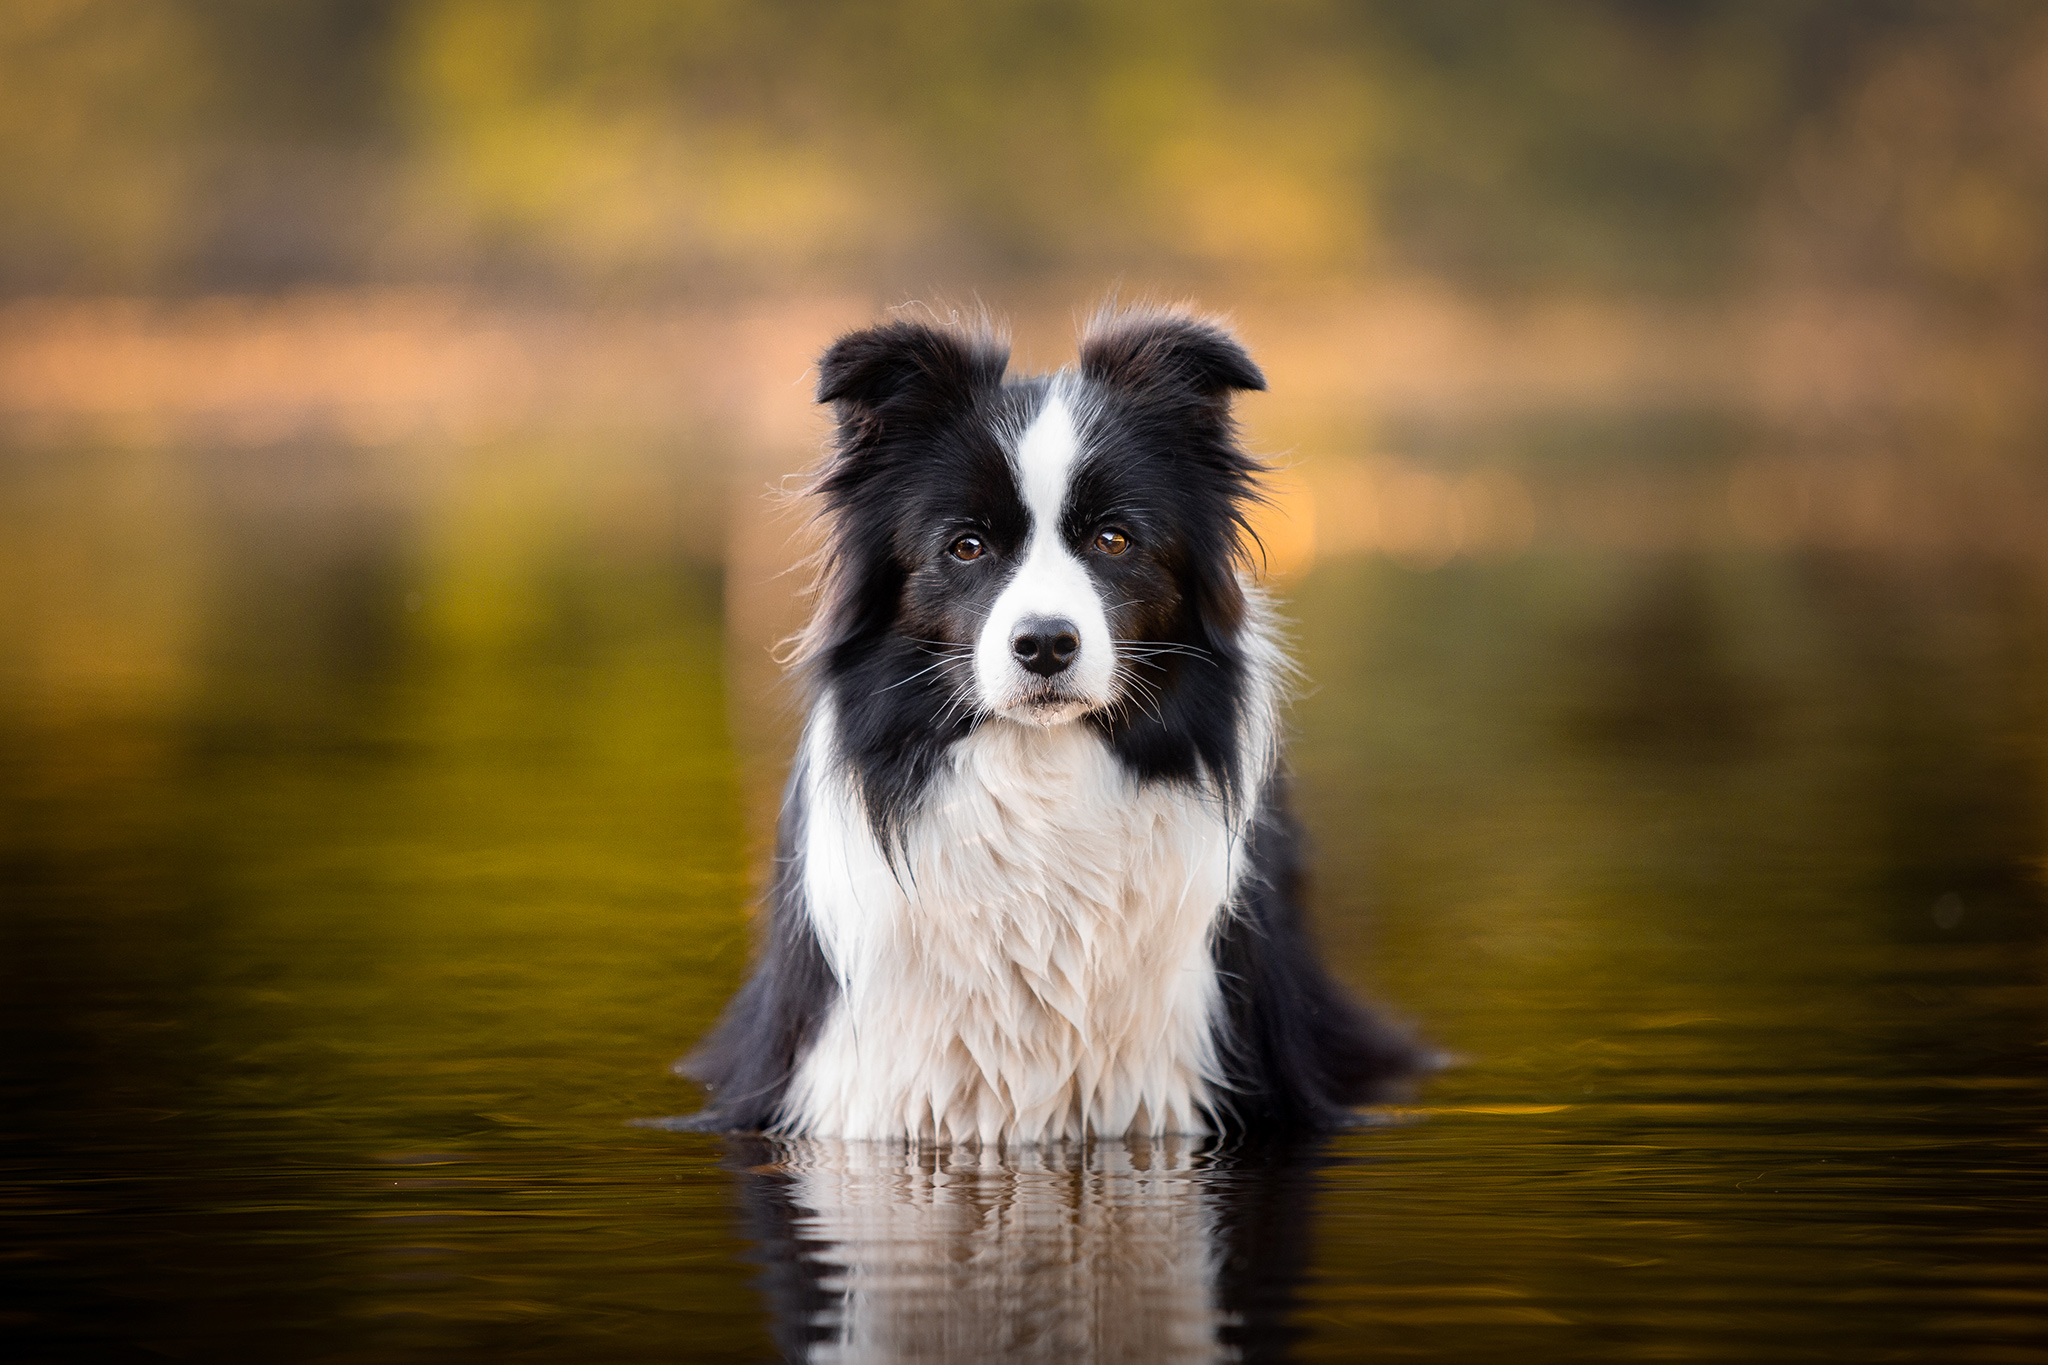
x,y
373,834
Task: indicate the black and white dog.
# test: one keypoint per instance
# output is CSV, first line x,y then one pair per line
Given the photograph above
x,y
1037,878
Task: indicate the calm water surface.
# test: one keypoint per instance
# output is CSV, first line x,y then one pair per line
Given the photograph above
x,y
372,837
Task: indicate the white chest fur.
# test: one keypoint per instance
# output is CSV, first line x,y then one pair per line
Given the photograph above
x,y
1034,966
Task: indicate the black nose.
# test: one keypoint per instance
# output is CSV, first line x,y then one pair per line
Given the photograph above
x,y
1046,644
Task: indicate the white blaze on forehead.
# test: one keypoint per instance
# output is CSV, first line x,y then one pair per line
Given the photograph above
x,y
1045,458
1049,580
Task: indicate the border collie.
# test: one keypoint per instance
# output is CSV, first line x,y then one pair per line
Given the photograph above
x,y
1037,879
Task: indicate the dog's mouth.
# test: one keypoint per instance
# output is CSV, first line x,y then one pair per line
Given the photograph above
x,y
1048,705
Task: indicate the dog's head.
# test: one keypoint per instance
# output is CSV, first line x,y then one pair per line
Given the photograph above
x,y
1048,551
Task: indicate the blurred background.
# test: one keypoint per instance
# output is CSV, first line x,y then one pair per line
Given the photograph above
x,y
391,392
599,243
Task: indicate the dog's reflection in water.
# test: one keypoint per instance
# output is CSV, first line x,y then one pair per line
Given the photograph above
x,y
1144,1250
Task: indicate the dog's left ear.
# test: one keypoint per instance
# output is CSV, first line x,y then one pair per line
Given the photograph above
x,y
1174,352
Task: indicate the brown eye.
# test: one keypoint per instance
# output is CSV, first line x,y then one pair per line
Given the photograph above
x,y
1112,542
967,547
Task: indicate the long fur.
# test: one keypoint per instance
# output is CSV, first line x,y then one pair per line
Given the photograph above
x,y
1037,878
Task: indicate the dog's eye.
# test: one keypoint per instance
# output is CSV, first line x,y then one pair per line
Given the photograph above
x,y
967,547
1112,541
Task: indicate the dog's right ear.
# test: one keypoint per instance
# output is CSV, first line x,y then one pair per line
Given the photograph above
x,y
906,365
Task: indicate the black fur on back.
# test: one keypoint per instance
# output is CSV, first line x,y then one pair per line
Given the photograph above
x,y
1300,1052
920,457
748,1059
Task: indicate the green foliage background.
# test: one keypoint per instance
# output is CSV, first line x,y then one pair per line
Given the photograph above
x,y
1672,145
